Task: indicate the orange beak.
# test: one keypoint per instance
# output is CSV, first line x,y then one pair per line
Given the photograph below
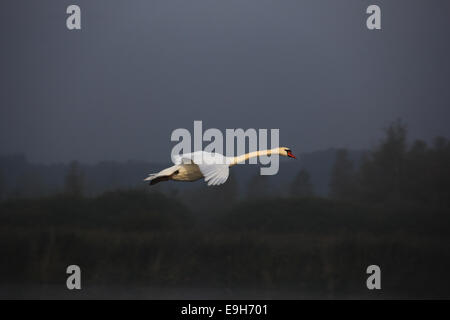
x,y
291,155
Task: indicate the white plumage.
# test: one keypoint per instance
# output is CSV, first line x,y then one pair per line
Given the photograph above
x,y
214,167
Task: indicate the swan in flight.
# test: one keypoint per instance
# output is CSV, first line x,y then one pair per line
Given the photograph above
x,y
214,167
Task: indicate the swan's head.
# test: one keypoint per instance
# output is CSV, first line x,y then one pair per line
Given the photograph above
x,y
286,152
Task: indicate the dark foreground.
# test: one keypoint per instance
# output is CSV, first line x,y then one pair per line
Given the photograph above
x,y
135,244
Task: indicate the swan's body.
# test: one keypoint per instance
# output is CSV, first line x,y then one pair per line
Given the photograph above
x,y
214,167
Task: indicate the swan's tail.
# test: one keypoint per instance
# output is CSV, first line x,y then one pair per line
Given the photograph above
x,y
163,175
154,178
150,177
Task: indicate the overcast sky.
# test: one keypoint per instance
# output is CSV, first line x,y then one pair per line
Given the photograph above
x,y
139,69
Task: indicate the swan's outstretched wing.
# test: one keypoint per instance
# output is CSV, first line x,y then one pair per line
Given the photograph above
x,y
215,174
163,175
214,167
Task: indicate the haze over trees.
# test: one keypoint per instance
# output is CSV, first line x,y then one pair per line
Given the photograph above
x,y
396,172
383,171
343,177
301,186
74,180
2,187
258,187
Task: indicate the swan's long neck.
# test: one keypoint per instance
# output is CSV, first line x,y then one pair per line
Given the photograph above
x,y
245,157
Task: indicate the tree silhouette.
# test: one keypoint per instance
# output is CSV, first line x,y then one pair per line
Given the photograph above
x,y
382,172
2,185
301,186
258,187
30,184
342,180
418,186
230,190
440,171
74,181
223,196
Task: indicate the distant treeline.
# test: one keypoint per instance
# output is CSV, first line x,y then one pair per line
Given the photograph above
x,y
394,171
20,178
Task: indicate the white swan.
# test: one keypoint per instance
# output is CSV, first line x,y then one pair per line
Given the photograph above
x,y
214,167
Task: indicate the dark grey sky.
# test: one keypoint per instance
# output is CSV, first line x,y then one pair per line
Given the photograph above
x,y
139,69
